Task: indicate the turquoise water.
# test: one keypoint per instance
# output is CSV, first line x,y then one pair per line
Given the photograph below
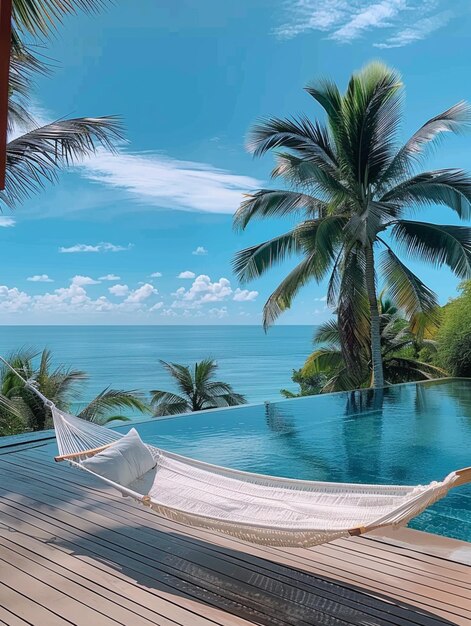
x,y
415,434
258,365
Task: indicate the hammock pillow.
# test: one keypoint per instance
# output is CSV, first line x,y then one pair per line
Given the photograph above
x,y
123,462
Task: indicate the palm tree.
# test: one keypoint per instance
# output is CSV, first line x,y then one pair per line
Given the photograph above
x,y
21,407
199,391
35,157
399,350
352,184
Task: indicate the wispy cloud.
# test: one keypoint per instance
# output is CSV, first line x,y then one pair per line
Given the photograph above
x,y
40,278
244,295
344,21
110,277
6,222
156,275
164,182
420,30
99,247
186,274
200,251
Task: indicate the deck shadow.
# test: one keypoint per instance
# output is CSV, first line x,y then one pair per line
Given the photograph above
x,y
255,589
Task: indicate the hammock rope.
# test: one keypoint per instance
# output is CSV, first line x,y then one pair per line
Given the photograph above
x,y
259,509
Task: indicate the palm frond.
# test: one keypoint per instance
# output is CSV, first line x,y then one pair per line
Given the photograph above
x,y
437,244
204,370
454,120
35,157
41,17
254,261
322,361
448,187
405,288
182,376
269,202
310,140
370,114
328,332
110,399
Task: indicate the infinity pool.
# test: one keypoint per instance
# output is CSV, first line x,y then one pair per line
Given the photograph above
x,y
413,434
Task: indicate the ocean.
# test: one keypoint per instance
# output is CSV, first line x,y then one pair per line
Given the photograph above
x,y
256,364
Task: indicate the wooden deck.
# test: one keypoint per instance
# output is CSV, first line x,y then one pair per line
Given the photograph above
x,y
71,553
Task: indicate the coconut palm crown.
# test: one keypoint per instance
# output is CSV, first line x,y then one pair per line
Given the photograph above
x,y
352,182
198,390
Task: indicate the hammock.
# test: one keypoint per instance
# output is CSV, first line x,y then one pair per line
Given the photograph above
x,y
255,508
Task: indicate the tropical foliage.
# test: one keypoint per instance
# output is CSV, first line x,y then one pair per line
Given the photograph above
x,y
36,152
400,349
309,385
21,409
351,183
197,388
454,335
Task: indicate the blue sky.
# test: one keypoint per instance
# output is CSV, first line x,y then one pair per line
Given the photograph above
x,y
145,237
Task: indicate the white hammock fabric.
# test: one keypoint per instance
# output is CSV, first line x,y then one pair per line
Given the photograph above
x,y
256,508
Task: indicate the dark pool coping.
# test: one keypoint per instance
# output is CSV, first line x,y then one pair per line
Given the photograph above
x,y
43,436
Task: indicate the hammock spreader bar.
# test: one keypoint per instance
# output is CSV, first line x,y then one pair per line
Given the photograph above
x,y
259,509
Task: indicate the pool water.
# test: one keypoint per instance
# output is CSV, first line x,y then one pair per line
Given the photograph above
x,y
406,434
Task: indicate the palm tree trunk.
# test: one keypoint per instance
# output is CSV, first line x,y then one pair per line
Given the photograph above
x,y
375,330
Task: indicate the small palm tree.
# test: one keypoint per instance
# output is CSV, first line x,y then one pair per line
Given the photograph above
x,y
399,349
21,406
352,182
198,390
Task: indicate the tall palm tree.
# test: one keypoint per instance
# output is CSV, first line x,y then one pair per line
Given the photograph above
x,y
352,183
399,347
197,388
61,385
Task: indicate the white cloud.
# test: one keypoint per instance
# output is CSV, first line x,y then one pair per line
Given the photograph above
x,y
6,222
40,278
81,281
104,246
158,180
218,313
321,299
119,290
156,307
200,251
110,277
376,15
186,274
202,291
420,30
156,275
345,21
13,300
244,295
141,293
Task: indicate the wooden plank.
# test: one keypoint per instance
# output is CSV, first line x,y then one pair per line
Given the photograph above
x,y
252,605
178,597
380,615
227,570
419,588
22,606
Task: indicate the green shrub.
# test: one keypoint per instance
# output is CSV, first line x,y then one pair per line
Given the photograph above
x,y
454,336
